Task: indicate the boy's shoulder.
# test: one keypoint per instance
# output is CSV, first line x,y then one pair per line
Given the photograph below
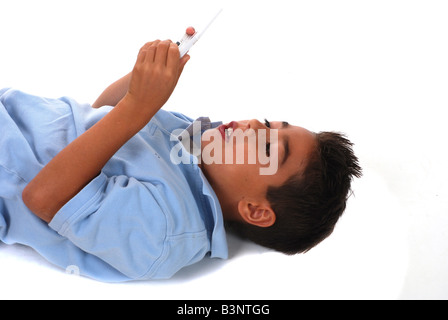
x,y
172,118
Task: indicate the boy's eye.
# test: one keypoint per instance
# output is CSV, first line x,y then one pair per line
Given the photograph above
x,y
268,145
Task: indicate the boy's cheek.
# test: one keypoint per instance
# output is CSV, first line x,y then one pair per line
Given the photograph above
x,y
235,156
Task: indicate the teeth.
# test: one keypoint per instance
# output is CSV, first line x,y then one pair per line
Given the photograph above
x,y
229,132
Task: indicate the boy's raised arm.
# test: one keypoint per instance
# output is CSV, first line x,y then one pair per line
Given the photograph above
x,y
151,83
114,93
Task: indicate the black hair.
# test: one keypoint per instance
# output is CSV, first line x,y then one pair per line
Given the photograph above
x,y
310,203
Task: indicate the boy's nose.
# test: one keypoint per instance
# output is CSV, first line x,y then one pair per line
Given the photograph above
x,y
255,124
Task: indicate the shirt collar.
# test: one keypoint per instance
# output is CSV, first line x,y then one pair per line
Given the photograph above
x,y
205,124
218,241
194,132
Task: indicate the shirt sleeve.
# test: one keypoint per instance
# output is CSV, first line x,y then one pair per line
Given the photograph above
x,y
120,220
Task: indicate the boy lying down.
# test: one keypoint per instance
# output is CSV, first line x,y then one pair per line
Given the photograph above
x,y
122,190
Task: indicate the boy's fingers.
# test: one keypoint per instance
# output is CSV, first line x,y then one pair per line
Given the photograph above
x,y
146,46
147,52
173,56
162,51
151,50
142,52
183,62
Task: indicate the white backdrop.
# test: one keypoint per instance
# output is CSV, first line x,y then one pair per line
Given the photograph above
x,y
376,70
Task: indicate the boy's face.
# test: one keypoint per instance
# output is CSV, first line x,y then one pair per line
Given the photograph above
x,y
241,163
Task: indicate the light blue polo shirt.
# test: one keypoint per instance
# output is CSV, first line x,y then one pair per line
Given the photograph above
x,y
143,217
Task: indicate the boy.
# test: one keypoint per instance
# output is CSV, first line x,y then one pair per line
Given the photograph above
x,y
101,191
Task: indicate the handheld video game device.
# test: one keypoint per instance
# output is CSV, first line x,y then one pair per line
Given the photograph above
x,y
188,41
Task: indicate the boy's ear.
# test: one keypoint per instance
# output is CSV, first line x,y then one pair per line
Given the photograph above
x,y
258,214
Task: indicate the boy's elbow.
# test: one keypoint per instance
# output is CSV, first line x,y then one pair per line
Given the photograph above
x,y
38,203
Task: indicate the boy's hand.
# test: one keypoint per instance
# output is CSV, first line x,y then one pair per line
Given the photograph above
x,y
153,79
155,75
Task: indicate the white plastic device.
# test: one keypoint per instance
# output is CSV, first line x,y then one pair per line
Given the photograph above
x,y
187,41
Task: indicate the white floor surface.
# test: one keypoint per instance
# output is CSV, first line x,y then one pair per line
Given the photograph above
x,y
376,70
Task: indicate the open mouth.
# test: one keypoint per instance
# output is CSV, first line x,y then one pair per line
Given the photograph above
x,y
226,130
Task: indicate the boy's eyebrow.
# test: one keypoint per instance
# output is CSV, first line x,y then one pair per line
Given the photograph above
x,y
285,143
